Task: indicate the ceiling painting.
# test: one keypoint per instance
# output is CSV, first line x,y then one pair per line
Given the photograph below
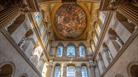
x,y
70,21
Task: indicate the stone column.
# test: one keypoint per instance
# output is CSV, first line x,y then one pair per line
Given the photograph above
x,y
65,52
91,70
78,71
64,71
77,52
97,72
49,73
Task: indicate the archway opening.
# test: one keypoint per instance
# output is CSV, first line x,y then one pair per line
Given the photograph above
x,y
6,71
134,71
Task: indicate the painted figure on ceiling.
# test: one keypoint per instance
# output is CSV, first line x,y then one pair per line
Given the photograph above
x,y
70,20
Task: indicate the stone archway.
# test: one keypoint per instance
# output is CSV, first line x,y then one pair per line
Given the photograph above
x,y
133,69
6,70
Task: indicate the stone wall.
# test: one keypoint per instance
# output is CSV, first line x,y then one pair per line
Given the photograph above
x,y
129,56
8,54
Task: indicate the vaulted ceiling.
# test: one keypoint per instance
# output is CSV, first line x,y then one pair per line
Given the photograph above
x,y
70,20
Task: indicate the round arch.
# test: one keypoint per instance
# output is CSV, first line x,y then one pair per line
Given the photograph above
x,y
24,75
71,50
133,69
82,50
60,50
7,69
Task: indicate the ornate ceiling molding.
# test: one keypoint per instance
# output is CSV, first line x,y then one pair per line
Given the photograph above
x,y
53,13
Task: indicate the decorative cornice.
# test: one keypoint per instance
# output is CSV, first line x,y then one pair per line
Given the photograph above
x,y
104,30
38,36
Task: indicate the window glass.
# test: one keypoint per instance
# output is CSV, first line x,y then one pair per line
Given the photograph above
x,y
70,71
71,51
57,71
59,51
82,51
84,71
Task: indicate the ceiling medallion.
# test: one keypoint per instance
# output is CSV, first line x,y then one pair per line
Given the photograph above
x,y
70,21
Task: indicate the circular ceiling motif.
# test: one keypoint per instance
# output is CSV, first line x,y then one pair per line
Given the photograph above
x,y
70,21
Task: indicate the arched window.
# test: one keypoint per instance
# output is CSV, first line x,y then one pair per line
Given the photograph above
x,y
116,40
84,71
71,71
59,51
82,51
71,51
134,71
107,53
57,71
24,75
6,71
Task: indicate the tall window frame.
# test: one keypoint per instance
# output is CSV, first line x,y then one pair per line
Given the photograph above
x,y
84,71
82,51
60,50
71,71
71,51
57,71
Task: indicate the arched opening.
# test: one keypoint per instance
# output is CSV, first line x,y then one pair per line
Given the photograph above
x,y
57,70
71,50
24,75
82,51
60,50
16,23
71,71
119,75
117,42
107,53
126,22
84,71
134,71
29,33
6,70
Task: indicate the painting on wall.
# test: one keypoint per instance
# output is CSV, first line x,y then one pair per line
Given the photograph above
x,y
70,20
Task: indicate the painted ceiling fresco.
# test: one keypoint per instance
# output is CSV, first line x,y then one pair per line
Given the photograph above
x,y
70,21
